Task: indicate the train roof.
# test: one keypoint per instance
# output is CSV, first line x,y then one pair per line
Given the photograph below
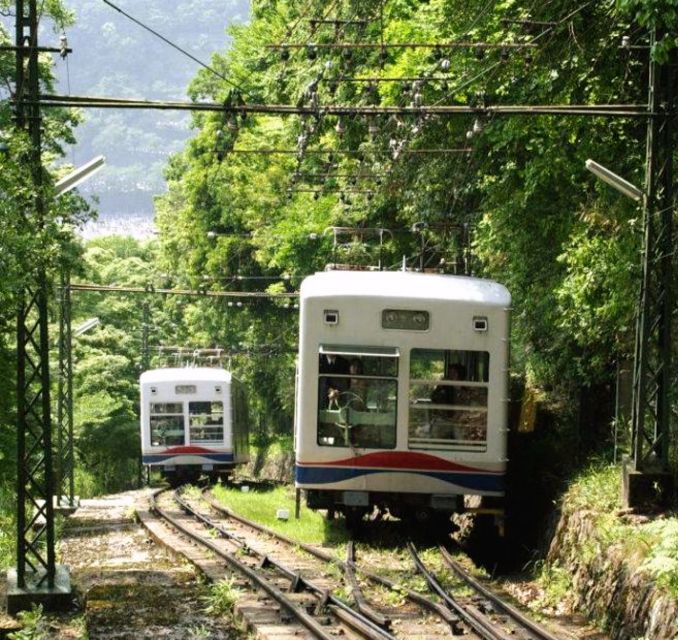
x,y
186,374
405,285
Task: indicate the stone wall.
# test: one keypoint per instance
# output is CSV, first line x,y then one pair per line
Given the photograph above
x,y
608,586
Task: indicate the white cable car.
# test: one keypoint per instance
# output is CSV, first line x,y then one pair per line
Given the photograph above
x,y
401,399
194,421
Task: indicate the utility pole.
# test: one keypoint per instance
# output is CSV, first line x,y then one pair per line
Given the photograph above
x,y
649,480
36,579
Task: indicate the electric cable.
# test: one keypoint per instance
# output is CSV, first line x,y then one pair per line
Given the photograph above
x,y
175,46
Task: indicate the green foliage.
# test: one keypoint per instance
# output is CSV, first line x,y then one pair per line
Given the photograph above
x,y
659,14
107,366
594,489
566,247
34,625
662,553
222,597
7,526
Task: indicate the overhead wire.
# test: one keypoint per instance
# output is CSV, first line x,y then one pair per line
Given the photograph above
x,y
174,45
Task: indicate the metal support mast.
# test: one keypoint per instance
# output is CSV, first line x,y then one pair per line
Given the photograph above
x,y
145,332
65,484
649,479
35,579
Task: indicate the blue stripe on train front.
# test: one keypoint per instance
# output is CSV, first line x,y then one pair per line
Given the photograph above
x,y
159,458
328,475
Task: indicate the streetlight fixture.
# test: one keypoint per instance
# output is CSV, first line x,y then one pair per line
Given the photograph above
x,y
621,185
85,326
74,178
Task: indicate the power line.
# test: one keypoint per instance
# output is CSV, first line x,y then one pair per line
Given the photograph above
x,y
182,292
172,44
601,110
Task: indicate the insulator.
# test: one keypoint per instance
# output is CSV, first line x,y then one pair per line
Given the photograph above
x,y
311,51
340,128
284,53
417,99
626,42
479,53
445,64
477,127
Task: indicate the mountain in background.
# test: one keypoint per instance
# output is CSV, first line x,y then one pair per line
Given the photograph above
x,y
114,57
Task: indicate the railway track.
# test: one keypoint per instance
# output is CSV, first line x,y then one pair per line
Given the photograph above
x,y
310,589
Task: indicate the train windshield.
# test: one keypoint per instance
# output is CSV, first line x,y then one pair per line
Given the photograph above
x,y
167,424
206,422
448,399
357,396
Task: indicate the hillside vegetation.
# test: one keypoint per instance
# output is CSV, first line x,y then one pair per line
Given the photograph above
x,y
511,202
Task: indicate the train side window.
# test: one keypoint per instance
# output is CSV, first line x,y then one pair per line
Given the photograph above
x,y
167,424
206,420
448,399
357,397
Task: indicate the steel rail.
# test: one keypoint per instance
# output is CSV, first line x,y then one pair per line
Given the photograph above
x,y
537,632
412,596
357,620
304,618
357,592
469,614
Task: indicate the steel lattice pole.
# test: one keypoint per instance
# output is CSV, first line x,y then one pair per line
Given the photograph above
x,y
652,363
35,530
65,485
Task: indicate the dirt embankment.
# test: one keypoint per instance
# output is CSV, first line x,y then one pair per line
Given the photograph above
x,y
609,584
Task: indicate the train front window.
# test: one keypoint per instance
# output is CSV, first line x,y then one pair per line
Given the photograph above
x,y
206,421
357,397
448,399
167,424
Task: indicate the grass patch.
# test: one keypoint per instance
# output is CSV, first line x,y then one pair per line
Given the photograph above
x,y
222,597
595,489
556,587
262,506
